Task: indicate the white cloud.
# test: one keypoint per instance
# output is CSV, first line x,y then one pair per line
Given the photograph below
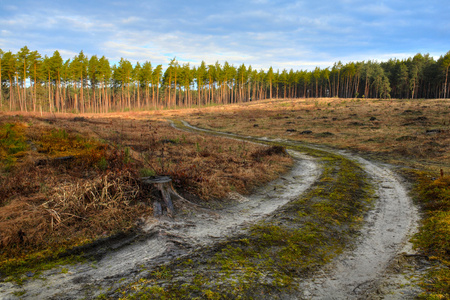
x,y
304,65
114,50
379,8
131,19
261,33
5,33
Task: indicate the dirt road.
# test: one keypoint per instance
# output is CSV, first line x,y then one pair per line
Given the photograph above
x,y
165,239
356,273
352,276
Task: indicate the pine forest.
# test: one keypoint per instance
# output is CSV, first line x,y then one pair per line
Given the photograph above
x,y
32,82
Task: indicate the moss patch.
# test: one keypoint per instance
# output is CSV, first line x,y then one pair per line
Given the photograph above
x,y
433,238
276,253
12,143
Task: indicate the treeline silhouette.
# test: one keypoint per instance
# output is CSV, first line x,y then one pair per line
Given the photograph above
x,y
32,82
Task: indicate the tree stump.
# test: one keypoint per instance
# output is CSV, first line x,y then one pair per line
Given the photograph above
x,y
164,185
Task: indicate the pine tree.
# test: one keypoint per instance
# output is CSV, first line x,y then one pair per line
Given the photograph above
x,y
445,64
93,74
146,79
270,78
1,82
200,76
79,67
105,75
55,74
35,63
9,69
22,64
156,80
136,79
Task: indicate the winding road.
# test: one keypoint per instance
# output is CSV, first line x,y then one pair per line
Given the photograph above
x,y
389,225
351,276
394,218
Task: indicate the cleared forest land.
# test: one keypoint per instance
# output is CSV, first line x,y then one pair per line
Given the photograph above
x,y
412,135
70,179
411,132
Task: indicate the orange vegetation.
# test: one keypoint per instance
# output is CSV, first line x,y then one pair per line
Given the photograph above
x,y
77,179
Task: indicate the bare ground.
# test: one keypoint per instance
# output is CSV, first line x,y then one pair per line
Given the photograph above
x,y
363,272
165,239
356,274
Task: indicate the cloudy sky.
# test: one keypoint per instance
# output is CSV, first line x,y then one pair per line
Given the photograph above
x,y
262,33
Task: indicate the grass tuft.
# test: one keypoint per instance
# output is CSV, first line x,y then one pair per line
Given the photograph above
x,y
433,238
303,236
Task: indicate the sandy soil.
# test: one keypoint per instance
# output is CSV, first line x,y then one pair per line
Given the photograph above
x,y
165,239
356,274
359,273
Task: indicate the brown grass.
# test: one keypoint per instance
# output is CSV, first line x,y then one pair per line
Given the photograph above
x,y
46,203
412,132
204,165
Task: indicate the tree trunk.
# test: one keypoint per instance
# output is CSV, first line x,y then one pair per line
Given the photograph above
x,y
35,91
24,84
175,90
10,93
165,187
445,85
157,94
18,92
337,88
128,96
1,90
317,88
81,94
366,89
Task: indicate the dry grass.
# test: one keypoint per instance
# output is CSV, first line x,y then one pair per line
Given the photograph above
x,y
411,132
72,210
111,150
47,203
200,164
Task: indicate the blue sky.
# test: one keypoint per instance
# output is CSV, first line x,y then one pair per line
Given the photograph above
x,y
261,33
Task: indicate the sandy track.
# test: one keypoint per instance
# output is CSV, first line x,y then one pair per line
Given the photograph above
x,y
353,275
356,273
166,239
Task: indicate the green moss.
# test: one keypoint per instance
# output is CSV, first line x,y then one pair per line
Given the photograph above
x,y
276,253
12,144
58,142
19,293
35,263
102,163
433,238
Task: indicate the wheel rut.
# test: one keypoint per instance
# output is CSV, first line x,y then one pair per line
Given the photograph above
x,y
388,226
356,273
353,275
165,239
